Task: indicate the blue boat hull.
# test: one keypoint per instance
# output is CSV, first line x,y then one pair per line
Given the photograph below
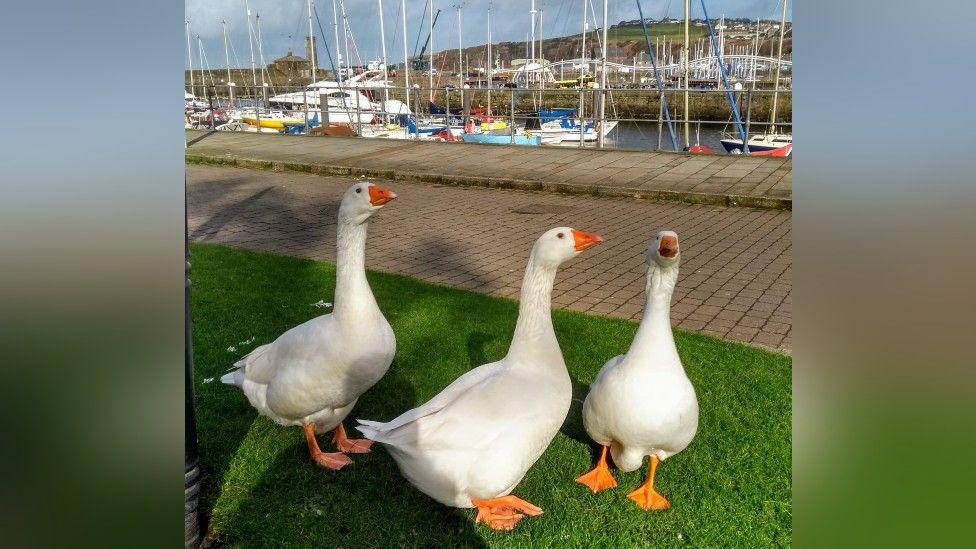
x,y
530,140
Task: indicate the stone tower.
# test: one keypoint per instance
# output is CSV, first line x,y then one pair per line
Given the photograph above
x,y
310,48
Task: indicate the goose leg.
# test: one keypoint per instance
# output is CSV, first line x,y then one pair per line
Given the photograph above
x,y
503,513
645,496
350,445
600,477
336,460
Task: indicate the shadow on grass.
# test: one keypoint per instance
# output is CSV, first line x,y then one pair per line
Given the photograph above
x,y
476,348
367,504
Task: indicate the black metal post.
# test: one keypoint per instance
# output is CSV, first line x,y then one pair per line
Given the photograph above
x,y
191,479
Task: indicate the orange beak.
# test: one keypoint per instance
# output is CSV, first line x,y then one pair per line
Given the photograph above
x,y
584,240
379,196
668,247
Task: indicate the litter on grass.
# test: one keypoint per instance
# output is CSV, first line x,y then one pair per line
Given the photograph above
x,y
321,304
231,349
208,379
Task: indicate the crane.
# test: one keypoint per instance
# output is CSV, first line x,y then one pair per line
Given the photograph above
x,y
419,62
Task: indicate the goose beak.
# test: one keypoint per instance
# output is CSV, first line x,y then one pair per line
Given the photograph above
x,y
584,240
668,247
379,196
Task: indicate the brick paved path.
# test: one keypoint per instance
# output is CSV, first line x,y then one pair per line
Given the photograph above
x,y
735,279
713,178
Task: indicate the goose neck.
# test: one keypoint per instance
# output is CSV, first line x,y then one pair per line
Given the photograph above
x,y
654,336
352,293
534,333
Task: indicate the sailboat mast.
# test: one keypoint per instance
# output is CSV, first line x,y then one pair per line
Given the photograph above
x,y
386,91
406,54
582,80
491,62
720,54
250,44
230,84
203,77
755,55
542,60
460,60
335,31
532,13
345,36
189,55
601,139
687,67
779,64
311,42
264,74
430,54
583,50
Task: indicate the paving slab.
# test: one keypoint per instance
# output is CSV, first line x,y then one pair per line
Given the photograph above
x,y
660,175
735,278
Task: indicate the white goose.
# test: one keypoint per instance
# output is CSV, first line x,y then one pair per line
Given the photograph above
x,y
642,403
313,374
470,445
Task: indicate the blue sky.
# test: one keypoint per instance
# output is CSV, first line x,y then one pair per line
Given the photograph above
x,y
284,23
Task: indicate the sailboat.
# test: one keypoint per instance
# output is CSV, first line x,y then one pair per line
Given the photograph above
x,y
349,102
557,125
782,143
758,142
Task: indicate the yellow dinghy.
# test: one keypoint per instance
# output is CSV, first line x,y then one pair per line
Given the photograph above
x,y
496,125
274,123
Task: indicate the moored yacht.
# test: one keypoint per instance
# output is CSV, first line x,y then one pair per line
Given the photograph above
x,y
352,101
758,143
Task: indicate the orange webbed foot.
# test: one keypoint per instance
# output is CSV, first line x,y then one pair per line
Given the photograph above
x,y
599,478
646,497
334,460
350,445
505,512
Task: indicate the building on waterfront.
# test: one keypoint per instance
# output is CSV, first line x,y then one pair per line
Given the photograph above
x,y
312,52
288,67
293,67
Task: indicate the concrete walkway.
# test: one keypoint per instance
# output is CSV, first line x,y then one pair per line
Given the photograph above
x,y
731,180
735,279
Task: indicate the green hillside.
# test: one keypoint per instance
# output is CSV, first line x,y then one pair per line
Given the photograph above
x,y
671,30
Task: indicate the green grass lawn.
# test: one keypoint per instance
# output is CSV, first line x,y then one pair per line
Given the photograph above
x,y
731,487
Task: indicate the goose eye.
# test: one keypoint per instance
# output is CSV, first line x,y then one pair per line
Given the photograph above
x,y
359,189
560,235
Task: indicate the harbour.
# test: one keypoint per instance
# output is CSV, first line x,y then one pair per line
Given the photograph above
x,y
725,89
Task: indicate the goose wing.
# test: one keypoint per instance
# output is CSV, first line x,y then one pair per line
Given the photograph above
x,y
383,431
295,345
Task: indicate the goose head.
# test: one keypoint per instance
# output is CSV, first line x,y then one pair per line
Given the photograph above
x,y
555,246
362,200
664,250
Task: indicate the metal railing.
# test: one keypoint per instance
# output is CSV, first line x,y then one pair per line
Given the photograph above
x,y
636,112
